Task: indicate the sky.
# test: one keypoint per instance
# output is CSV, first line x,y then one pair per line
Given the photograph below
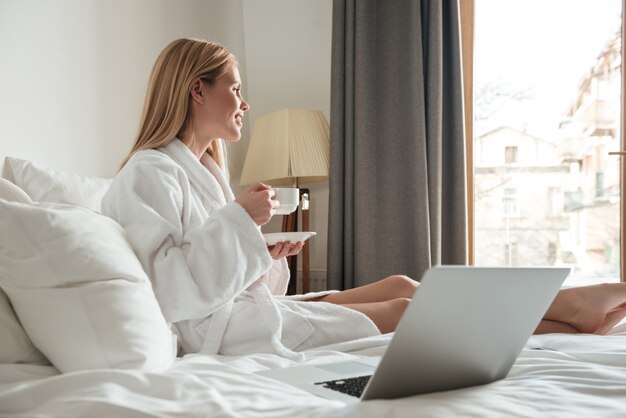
x,y
542,47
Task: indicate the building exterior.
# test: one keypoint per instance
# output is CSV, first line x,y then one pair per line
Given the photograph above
x,y
591,130
553,199
519,196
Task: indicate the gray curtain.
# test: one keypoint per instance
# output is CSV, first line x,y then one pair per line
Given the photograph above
x,y
397,165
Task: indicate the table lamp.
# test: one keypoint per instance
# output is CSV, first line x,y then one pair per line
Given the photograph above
x,y
289,147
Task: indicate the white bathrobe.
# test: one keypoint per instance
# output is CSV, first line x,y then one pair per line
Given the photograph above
x,y
208,262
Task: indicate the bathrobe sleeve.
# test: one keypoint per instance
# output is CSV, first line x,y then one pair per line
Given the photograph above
x,y
194,271
276,279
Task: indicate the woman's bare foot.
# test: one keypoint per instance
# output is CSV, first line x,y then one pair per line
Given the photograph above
x,y
590,309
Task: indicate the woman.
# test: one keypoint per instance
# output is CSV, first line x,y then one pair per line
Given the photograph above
x,y
217,282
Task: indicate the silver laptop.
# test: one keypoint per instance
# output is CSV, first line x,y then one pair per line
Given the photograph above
x,y
465,326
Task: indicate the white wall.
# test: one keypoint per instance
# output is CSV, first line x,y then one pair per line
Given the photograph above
x,y
288,66
73,75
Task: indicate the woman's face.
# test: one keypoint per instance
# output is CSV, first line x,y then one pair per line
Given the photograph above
x,y
223,111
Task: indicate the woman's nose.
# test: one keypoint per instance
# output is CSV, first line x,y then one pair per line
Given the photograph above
x,y
244,106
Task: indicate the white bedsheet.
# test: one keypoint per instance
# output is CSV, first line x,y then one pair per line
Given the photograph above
x,y
555,375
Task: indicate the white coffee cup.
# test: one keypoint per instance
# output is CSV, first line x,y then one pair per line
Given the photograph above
x,y
289,197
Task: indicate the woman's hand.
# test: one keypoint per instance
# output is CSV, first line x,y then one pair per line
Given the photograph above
x,y
258,202
284,249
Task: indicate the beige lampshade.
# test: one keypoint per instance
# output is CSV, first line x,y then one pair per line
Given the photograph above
x,y
289,146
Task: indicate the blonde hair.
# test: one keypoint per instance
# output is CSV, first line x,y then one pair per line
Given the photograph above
x,y
166,107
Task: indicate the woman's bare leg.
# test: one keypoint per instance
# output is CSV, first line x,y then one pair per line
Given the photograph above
x,y
590,309
547,326
389,288
385,315
384,302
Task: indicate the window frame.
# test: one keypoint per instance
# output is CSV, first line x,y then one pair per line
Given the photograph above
x,y
466,9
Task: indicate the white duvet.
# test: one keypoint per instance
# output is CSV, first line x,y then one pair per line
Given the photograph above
x,y
555,375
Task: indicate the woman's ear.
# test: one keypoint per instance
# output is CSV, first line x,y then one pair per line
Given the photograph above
x,y
197,93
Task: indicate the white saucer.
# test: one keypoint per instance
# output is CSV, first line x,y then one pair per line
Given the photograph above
x,y
293,237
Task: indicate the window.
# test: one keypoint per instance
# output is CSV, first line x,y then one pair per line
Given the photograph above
x,y
555,199
510,202
599,183
549,84
510,155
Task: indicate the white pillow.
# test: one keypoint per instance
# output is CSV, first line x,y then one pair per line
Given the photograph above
x,y
16,347
79,291
12,193
48,185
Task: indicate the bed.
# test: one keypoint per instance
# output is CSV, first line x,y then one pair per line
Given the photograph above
x,y
83,336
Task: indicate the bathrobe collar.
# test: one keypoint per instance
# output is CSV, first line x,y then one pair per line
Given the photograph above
x,y
205,174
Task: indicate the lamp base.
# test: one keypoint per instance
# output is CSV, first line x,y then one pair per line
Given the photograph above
x,y
290,224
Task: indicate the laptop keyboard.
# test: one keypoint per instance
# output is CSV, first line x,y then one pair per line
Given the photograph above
x,y
352,386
